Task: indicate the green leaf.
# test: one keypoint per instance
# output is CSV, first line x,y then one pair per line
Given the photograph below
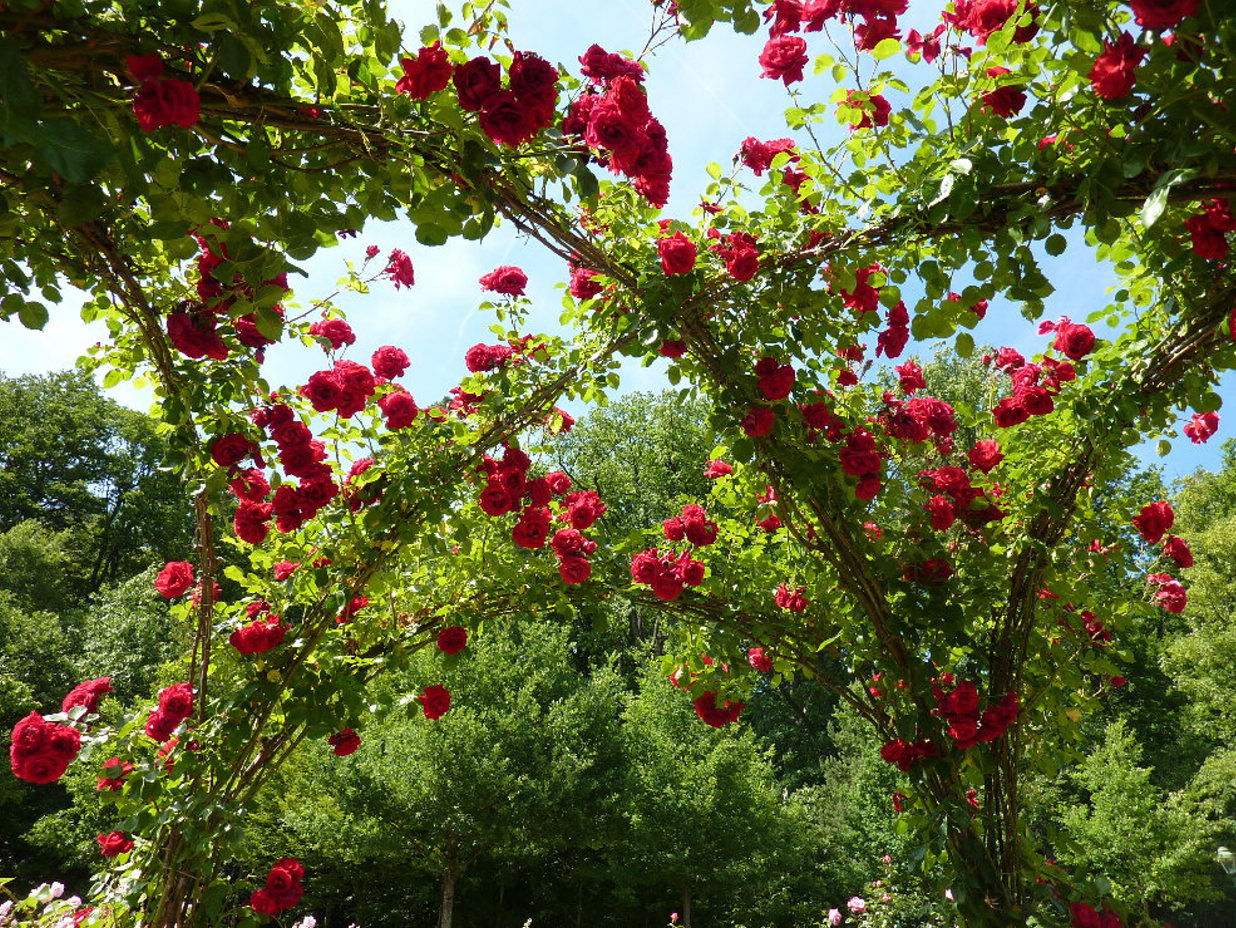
x,y
33,315
72,151
1056,244
1153,208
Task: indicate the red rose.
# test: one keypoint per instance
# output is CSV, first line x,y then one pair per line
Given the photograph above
x,y
264,903
985,455
452,640
776,381
176,701
759,660
174,579
707,709
672,348
285,569
717,468
399,409
1201,427
87,694
1154,520
987,16
574,568
476,81
506,280
389,362
435,700
115,770
114,843
399,269
343,742
677,254
506,120
229,450
428,72
335,331
783,58
1114,71
910,376
166,102
1163,14
532,529
874,108
1178,550
758,422
1004,101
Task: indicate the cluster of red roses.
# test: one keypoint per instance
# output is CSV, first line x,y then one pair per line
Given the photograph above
x,y
892,339
919,418
861,457
791,600
261,634
960,708
507,486
161,101
1152,523
1084,915
509,116
1208,229
283,888
41,751
667,573
1034,386
758,156
739,252
175,705
193,327
480,358
618,125
905,754
956,498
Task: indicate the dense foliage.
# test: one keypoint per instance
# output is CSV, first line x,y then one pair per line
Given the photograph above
x,y
957,554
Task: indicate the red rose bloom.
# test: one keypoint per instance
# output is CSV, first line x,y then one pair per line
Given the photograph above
x,y
389,362
452,640
677,254
1154,521
783,58
1114,71
476,81
435,700
428,72
985,455
1178,550
1201,427
166,102
87,694
174,579
399,409
344,742
399,269
1163,14
114,843
717,468
506,280
574,568
507,120
1004,101
335,331
707,709
759,660
758,422
874,107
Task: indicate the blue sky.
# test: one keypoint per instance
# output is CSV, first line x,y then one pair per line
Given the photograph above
x,y
709,96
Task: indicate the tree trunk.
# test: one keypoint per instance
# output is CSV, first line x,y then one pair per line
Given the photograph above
x,y
448,899
685,914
